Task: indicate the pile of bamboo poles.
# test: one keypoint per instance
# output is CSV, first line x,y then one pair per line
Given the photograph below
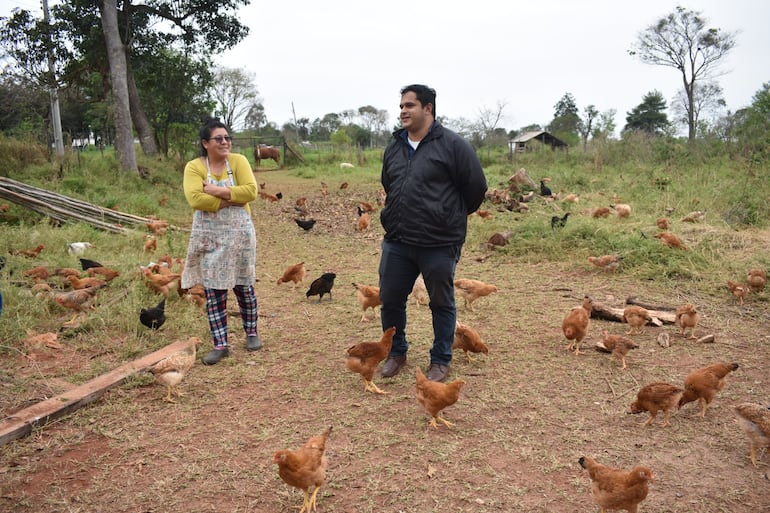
x,y
65,209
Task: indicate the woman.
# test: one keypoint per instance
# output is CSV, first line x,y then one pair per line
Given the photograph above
x,y
222,252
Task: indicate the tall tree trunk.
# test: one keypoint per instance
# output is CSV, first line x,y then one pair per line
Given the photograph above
x,y
138,116
124,135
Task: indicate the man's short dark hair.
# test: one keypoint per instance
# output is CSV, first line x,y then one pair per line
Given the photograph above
x,y
424,94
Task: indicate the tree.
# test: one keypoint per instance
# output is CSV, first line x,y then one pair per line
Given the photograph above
x,y
235,93
752,126
585,124
707,99
487,122
648,116
124,135
200,28
605,125
565,119
681,41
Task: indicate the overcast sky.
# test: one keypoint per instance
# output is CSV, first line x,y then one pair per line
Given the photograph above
x,y
334,55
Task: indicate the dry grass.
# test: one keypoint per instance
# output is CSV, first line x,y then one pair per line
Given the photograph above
x,y
528,412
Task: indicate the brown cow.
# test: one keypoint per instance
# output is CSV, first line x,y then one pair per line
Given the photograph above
x,y
266,152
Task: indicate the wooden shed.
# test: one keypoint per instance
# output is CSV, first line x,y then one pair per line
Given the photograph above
x,y
521,143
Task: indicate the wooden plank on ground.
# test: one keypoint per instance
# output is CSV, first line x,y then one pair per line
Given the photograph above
x,y
23,422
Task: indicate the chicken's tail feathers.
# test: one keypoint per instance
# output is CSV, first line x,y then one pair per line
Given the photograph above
x,y
602,348
582,461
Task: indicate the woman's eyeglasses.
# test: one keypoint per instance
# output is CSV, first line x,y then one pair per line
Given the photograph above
x,y
221,138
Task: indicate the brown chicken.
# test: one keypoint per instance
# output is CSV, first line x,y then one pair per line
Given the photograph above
x,y
484,214
78,300
364,357
66,271
755,421
616,489
195,294
469,340
367,207
606,262
85,283
151,244
622,209
657,397
105,272
364,220
687,316
29,253
39,273
669,239
305,468
499,239
575,324
756,279
160,283
157,227
171,370
694,217
471,290
434,396
739,290
617,345
636,317
419,292
272,198
703,384
294,273
663,223
369,297
600,212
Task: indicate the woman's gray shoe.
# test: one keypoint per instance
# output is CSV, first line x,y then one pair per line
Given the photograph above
x,y
253,343
215,355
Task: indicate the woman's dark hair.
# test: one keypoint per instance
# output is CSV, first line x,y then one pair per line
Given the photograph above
x,y
205,132
424,94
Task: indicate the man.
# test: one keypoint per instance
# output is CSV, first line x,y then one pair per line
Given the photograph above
x,y
433,180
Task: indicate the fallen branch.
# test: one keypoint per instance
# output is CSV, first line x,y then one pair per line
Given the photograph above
x,y
608,313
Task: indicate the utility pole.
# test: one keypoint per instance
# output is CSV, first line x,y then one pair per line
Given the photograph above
x,y
55,114
296,126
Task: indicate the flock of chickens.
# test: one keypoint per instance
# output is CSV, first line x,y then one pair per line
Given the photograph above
x,y
305,467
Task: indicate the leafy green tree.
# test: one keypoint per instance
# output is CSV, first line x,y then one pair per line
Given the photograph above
x,y
649,116
174,91
565,119
322,128
199,28
605,125
752,126
682,40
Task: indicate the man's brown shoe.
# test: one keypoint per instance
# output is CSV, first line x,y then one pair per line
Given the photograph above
x,y
392,366
438,372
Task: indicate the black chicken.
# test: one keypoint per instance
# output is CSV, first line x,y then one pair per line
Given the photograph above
x,y
305,224
87,264
544,190
321,286
154,317
279,195
559,222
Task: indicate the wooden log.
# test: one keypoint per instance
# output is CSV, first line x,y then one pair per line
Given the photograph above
x,y
649,306
609,313
22,423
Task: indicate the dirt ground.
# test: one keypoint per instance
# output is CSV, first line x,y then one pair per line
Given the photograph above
x,y
528,410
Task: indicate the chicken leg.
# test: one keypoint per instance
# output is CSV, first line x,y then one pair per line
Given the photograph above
x,y
440,419
371,387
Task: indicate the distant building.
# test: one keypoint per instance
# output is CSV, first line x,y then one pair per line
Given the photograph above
x,y
523,142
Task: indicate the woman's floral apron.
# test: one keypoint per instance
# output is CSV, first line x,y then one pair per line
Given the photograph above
x,y
222,249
